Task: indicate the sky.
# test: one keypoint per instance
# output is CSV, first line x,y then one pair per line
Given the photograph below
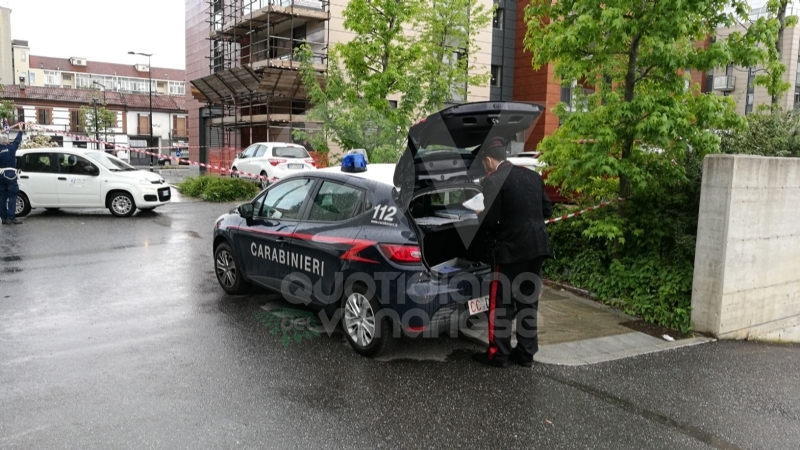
x,y
102,30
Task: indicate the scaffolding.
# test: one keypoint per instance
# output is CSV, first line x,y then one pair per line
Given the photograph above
x,y
255,88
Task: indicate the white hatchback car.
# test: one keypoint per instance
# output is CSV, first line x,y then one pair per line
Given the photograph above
x,y
273,160
54,178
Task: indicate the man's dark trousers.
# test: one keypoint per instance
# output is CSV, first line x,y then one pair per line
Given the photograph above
x,y
514,294
8,198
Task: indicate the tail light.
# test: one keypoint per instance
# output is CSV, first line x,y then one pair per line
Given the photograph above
x,y
403,254
311,162
275,162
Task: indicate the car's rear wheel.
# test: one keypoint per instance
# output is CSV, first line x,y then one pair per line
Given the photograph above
x,y
23,206
367,330
121,204
228,274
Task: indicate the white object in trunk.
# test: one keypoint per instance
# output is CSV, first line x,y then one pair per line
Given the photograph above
x,y
475,203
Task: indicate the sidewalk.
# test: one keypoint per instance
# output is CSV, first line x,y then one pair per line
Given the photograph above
x,y
574,331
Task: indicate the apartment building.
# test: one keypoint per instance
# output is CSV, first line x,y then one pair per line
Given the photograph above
x,y
245,84
6,74
58,109
737,82
80,73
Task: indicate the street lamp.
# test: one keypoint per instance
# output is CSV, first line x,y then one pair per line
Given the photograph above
x,y
150,90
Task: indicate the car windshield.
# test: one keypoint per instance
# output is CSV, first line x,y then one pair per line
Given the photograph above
x,y
290,152
110,162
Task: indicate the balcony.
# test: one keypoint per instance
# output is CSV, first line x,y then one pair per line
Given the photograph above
x,y
256,14
725,83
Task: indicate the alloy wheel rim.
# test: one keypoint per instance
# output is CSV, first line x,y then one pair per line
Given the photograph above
x,y
264,182
121,204
226,269
359,319
20,205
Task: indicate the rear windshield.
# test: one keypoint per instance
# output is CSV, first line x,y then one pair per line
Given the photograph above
x,y
290,152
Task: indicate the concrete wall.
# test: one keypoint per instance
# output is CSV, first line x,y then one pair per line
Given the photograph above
x,y
747,265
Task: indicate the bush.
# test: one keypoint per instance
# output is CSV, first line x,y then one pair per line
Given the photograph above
x,y
218,189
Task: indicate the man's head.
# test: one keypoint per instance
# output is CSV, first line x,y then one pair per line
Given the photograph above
x,y
493,153
3,139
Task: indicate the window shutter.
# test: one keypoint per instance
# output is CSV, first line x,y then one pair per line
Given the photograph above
x,y
175,126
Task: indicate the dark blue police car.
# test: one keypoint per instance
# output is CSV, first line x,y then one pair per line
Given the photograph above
x,y
385,248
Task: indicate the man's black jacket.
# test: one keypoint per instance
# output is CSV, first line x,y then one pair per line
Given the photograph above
x,y
516,206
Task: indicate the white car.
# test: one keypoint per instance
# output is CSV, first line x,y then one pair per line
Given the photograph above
x,y
54,178
529,160
271,161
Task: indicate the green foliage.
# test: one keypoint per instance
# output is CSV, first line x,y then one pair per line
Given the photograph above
x,y
769,132
640,119
639,133
384,61
6,108
218,189
102,123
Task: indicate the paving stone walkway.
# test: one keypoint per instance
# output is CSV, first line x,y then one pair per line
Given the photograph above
x,y
575,331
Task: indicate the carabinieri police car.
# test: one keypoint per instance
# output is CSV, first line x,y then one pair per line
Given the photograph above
x,y
384,248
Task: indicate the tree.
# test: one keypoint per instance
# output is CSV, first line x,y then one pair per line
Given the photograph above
x,y
635,131
382,61
6,108
101,123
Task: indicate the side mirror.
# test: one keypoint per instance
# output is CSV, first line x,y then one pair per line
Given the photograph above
x,y
246,210
92,170
240,155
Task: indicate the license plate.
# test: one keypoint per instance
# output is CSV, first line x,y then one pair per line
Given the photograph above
x,y
478,305
295,166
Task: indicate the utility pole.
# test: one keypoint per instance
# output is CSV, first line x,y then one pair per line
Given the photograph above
x,y
96,131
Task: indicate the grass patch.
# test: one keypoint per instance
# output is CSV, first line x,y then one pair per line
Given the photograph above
x,y
218,189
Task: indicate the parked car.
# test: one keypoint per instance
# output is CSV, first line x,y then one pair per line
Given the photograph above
x,y
306,233
272,161
55,178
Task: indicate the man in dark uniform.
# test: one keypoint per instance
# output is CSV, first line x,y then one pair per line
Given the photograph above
x,y
516,206
8,179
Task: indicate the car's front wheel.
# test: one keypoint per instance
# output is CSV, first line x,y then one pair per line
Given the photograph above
x,y
368,331
228,274
121,204
234,172
23,206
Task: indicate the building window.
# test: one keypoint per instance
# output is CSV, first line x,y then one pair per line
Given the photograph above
x,y
497,76
75,121
20,115
44,116
177,88
31,78
497,19
393,104
24,56
179,127
52,78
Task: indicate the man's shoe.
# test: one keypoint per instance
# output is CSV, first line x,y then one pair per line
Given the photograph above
x,y
517,358
6,222
483,358
13,222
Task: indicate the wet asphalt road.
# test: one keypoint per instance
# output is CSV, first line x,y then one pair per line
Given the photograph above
x,y
115,334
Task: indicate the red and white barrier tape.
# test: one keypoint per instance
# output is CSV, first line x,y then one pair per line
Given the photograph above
x,y
584,211
140,150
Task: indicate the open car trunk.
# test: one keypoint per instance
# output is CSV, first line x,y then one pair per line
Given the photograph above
x,y
447,230
439,171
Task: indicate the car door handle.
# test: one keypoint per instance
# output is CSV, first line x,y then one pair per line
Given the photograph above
x,y
24,177
280,239
62,178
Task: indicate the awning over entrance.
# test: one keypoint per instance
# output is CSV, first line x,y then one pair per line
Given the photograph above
x,y
228,84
